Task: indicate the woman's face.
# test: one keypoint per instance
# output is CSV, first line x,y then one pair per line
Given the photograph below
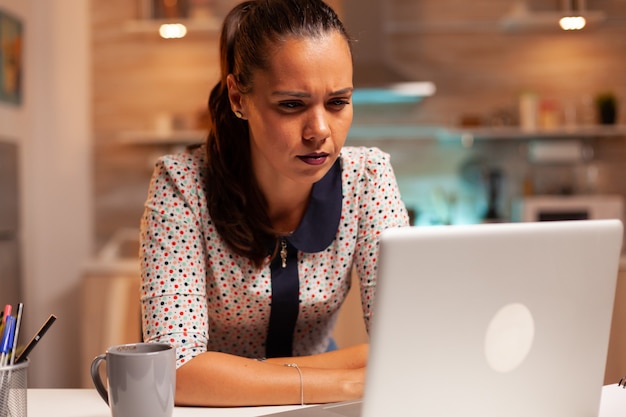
x,y
299,111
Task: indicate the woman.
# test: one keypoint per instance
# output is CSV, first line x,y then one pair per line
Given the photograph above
x,y
248,241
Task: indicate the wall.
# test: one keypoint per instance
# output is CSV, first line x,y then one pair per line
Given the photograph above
x,y
137,77
52,127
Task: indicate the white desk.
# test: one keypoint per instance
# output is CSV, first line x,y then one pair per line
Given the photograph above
x,y
87,403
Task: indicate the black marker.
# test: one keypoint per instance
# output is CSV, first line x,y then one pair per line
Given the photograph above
x,y
33,342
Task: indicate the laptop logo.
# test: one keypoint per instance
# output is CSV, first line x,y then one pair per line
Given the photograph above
x,y
509,337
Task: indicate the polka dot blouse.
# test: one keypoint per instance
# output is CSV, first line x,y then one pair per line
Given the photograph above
x,y
199,296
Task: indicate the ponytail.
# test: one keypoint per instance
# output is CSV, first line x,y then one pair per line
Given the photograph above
x,y
235,202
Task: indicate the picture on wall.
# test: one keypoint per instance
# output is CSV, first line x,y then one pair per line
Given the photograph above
x,y
11,38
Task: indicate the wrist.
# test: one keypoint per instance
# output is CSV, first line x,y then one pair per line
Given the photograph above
x,y
354,384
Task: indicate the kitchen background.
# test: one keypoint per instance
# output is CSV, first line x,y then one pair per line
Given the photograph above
x,y
145,85
105,96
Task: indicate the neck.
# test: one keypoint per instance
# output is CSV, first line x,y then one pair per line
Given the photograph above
x,y
286,207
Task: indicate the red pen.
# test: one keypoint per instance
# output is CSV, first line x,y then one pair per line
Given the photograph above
x,y
7,312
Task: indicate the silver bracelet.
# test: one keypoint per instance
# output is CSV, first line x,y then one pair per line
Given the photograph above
x,y
295,365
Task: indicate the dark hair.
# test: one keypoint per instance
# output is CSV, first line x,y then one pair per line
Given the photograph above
x,y
250,31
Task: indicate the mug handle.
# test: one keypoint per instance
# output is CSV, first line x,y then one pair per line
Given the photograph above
x,y
95,376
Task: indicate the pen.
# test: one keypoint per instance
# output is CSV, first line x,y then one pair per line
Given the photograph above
x,y
7,339
18,322
6,313
33,342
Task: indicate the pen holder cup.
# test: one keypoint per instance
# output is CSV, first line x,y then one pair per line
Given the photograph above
x,y
13,388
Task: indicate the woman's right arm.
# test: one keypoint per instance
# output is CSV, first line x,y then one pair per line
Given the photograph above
x,y
218,379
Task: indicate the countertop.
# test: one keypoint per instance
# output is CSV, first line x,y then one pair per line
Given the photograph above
x,y
87,403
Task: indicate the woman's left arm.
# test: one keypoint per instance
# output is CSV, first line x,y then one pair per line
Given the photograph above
x,y
383,209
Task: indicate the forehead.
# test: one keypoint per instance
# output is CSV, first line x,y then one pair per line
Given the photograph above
x,y
295,58
277,44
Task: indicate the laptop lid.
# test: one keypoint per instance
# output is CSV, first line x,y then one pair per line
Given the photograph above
x,y
493,320
489,320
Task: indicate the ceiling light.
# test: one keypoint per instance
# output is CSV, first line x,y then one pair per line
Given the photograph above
x,y
572,22
572,16
172,30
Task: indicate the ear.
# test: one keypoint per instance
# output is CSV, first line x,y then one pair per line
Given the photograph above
x,y
234,95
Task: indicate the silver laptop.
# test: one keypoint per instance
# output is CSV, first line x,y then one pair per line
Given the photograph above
x,y
494,320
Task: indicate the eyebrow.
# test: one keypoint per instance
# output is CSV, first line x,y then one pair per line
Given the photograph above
x,y
299,94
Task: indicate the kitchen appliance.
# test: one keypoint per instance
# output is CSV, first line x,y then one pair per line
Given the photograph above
x,y
568,207
9,226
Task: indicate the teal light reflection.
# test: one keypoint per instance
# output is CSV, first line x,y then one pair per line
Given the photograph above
x,y
438,200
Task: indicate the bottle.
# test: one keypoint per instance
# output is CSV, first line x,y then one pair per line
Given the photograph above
x,y
548,114
494,179
528,111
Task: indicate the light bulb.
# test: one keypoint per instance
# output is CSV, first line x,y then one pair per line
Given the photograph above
x,y
172,30
572,22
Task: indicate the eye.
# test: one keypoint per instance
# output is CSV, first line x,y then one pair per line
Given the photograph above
x,y
339,102
290,105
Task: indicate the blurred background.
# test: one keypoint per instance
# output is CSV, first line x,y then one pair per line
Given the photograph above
x,y
490,110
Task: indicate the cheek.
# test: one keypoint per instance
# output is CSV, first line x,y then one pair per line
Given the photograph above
x,y
282,130
273,135
342,125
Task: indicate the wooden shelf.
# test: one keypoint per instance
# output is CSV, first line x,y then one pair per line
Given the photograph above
x,y
470,134
173,138
401,131
511,133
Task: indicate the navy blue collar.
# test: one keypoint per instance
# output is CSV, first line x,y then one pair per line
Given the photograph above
x,y
315,233
319,225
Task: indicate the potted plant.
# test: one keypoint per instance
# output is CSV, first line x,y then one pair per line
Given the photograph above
x,y
606,105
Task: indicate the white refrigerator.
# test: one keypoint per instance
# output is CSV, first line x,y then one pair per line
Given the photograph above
x,y
10,283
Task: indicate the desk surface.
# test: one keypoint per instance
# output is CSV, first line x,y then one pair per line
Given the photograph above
x,y
87,403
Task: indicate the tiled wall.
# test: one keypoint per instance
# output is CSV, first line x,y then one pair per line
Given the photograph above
x,y
479,71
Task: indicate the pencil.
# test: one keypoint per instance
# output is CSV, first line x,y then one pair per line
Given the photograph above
x,y
20,310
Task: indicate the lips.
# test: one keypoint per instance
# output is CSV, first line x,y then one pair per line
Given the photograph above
x,y
316,158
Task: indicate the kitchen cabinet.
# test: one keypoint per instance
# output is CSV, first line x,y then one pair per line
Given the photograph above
x,y
110,307
350,328
110,316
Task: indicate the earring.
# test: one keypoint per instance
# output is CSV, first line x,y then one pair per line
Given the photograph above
x,y
238,114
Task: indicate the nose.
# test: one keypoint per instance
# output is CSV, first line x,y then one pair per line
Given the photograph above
x,y
316,126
